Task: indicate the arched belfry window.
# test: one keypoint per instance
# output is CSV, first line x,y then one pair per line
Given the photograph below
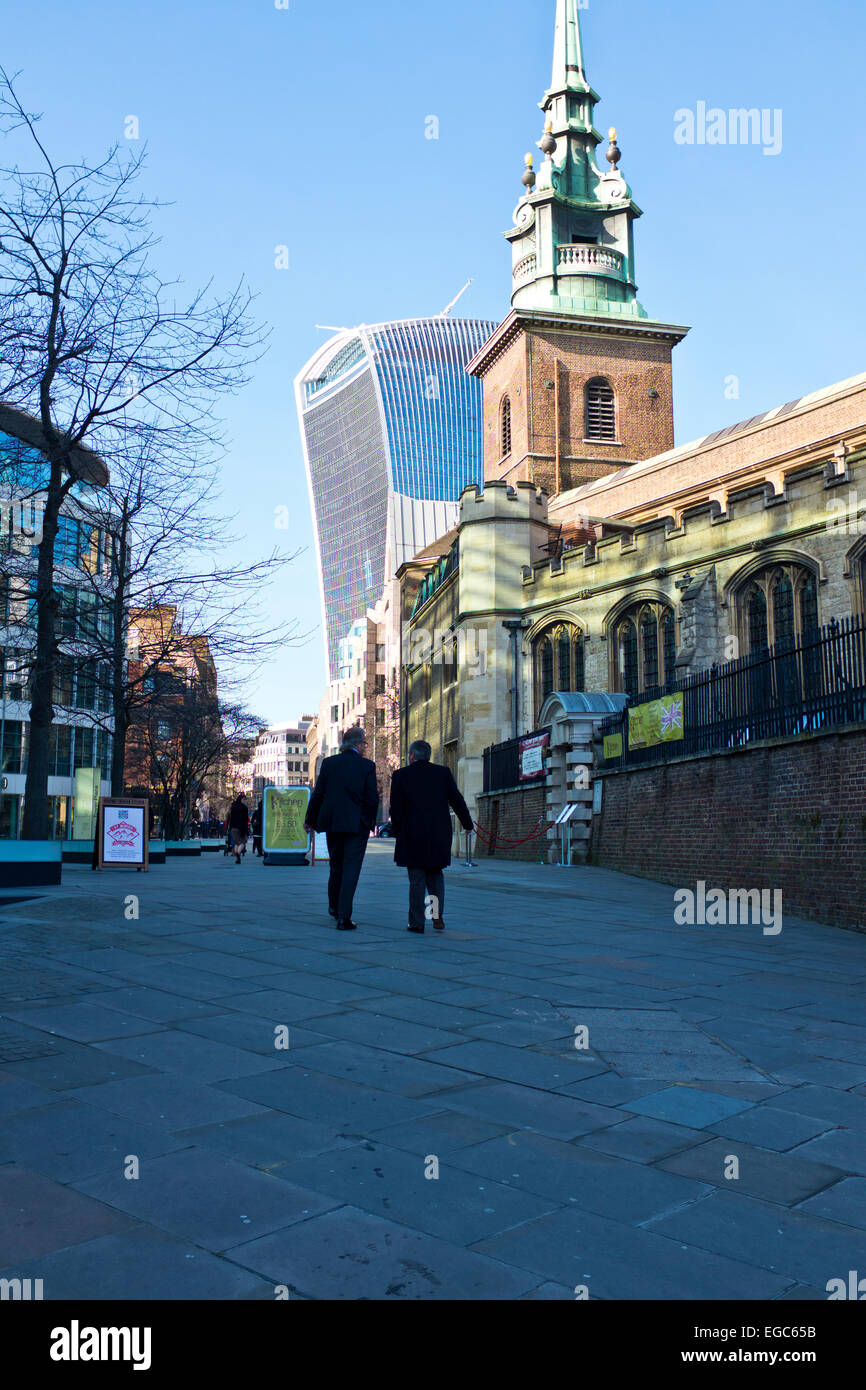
x,y
600,410
644,648
779,604
505,427
558,661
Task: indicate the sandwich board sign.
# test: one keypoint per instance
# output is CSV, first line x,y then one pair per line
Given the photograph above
x,y
122,833
284,839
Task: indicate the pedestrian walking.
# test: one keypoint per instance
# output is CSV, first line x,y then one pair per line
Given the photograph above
x,y
239,825
344,805
256,827
422,797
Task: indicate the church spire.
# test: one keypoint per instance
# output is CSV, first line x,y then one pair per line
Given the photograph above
x,y
568,67
572,240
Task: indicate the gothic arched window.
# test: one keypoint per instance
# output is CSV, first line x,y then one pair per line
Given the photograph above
x,y
644,648
600,410
558,659
779,604
505,427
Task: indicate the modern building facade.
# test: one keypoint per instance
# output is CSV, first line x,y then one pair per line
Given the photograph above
x,y
81,737
391,431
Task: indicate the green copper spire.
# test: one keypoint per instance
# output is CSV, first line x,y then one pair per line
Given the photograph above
x,y
572,240
567,48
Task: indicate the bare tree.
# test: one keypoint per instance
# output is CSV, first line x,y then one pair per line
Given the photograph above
x,y
188,733
101,351
167,586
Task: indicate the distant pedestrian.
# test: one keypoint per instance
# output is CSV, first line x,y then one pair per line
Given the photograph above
x,y
344,805
422,796
239,825
256,827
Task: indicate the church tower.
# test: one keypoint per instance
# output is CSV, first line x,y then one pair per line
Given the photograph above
x,y
577,380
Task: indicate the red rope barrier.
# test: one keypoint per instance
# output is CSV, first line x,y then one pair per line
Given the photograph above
x,y
511,844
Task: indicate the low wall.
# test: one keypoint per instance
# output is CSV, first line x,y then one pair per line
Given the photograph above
x,y
787,814
517,813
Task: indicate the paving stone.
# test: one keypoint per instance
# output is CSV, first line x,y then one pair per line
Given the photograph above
x,y
200,1195
458,1206
614,1261
383,1031
349,1254
759,1234
440,1133
198,1059
69,1139
83,1022
782,1178
154,1004
315,1095
513,1063
38,1216
168,1101
372,1066
686,1105
571,1173
282,1007
18,1095
644,1140
525,1107
610,1089
267,1141
75,1067
256,1035
769,1128
843,1148
139,1265
821,1103
845,1202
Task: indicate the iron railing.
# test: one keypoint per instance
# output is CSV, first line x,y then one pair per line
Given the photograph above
x,y
813,683
502,762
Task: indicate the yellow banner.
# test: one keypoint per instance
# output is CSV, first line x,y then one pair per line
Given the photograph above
x,y
658,721
613,746
285,812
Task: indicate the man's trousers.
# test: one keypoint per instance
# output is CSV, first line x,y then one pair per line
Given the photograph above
x,y
424,883
346,854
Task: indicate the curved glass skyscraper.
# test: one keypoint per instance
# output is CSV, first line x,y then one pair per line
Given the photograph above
x,y
391,428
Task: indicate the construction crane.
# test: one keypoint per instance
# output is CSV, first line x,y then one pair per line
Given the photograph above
x,y
447,310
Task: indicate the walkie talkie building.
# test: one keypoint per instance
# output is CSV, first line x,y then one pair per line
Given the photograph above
x,y
391,429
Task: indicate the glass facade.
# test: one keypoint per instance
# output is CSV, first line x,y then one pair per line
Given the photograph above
x,y
386,412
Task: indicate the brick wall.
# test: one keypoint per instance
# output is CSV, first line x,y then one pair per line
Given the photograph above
x,y
518,815
788,814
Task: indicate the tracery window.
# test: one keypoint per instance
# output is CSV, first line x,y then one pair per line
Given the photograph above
x,y
644,648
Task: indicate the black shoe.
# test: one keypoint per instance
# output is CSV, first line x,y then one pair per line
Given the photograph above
x,y
332,913
438,923
346,924
419,930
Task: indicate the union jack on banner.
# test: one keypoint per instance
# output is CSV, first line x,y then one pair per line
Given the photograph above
x,y
672,718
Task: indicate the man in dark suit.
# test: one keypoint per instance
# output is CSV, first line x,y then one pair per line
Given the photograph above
x,y
344,806
422,796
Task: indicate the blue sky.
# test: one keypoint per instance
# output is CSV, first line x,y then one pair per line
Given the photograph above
x,y
305,127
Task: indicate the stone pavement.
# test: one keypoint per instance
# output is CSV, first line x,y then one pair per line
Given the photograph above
x,y
151,1044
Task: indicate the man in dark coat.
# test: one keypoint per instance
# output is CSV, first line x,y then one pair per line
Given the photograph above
x,y
344,805
239,825
422,796
256,827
